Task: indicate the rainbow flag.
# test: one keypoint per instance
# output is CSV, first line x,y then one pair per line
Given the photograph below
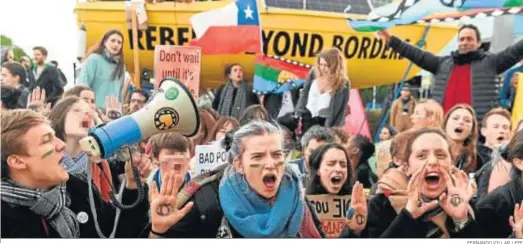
x,y
408,12
277,75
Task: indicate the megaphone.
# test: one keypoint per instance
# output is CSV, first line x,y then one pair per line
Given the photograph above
x,y
172,109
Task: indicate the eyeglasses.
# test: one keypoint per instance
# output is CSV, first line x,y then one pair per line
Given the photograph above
x,y
137,101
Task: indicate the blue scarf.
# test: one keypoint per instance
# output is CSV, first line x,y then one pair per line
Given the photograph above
x,y
158,179
254,217
76,166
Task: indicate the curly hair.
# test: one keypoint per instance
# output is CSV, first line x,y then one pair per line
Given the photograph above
x,y
337,68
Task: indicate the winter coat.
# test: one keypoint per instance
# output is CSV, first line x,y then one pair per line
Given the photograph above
x,y
20,222
483,72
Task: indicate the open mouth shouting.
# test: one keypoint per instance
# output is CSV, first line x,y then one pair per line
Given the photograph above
x,y
459,131
500,139
269,181
86,122
61,162
336,180
432,179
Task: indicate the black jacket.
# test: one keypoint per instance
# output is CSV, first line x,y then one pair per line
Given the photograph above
x,y
383,221
50,81
483,72
20,222
205,216
493,212
273,102
29,81
365,175
24,94
484,154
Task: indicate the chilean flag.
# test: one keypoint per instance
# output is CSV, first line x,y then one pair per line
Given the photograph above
x,y
232,29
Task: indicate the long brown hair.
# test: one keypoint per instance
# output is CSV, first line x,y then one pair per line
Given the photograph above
x,y
469,147
222,122
337,75
59,113
99,48
207,123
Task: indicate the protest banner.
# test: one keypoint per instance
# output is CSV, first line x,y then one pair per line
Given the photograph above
x,y
331,211
517,110
181,62
208,157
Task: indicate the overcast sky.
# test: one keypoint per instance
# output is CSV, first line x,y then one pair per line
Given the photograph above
x,y
49,23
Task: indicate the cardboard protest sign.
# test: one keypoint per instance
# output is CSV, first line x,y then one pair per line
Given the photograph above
x,y
181,62
208,157
331,211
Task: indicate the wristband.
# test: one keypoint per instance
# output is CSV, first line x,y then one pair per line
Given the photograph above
x,y
461,224
162,235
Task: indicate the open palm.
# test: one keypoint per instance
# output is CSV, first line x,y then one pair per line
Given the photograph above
x,y
415,205
113,108
164,213
358,213
459,193
36,101
516,221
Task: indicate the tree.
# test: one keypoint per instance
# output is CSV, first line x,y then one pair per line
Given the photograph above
x,y
5,41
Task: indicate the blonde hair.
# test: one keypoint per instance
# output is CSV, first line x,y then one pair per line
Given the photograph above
x,y
15,124
383,157
434,112
337,75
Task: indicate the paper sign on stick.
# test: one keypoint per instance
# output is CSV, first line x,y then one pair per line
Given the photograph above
x,y
181,62
208,157
331,211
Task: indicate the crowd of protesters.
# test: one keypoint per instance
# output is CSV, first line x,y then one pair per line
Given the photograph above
x,y
449,167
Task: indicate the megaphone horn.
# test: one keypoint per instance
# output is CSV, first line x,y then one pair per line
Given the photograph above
x,y
172,109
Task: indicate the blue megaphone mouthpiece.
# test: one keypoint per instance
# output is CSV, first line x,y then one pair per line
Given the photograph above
x,y
172,109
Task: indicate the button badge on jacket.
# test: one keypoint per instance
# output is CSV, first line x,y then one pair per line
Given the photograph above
x,y
82,217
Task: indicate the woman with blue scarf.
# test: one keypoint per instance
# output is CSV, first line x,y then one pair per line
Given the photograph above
x,y
255,196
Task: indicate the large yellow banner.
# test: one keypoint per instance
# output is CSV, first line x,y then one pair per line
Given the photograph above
x,y
517,110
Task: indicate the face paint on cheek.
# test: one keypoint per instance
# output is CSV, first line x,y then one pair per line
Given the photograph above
x,y
48,153
255,166
280,163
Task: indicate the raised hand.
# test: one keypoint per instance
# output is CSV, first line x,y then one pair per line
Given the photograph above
x,y
415,205
516,221
144,165
164,213
357,214
36,101
384,34
113,108
456,201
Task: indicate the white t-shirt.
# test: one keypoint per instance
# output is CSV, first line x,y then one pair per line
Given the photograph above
x,y
318,103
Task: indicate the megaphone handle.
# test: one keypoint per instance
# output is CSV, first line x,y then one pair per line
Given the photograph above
x,y
90,146
139,186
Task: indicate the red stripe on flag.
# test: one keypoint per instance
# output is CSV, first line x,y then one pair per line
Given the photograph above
x,y
230,40
300,71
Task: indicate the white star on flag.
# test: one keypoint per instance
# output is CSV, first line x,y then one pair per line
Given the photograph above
x,y
248,12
